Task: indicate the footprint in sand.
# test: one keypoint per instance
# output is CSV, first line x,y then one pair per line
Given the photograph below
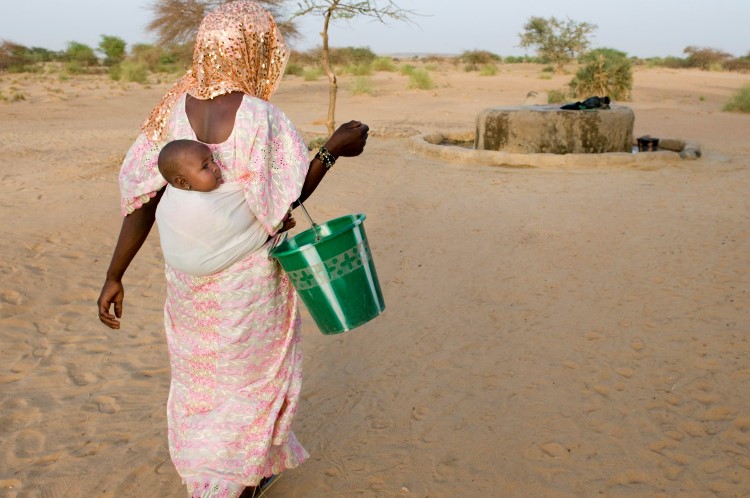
x,y
12,297
28,443
419,412
107,404
79,377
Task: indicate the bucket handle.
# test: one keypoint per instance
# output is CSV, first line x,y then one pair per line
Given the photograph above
x,y
312,223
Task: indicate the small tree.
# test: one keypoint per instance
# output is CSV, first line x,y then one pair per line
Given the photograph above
x,y
705,58
475,58
113,49
604,71
555,40
81,54
13,56
345,9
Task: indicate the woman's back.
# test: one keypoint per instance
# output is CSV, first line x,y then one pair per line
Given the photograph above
x,y
212,120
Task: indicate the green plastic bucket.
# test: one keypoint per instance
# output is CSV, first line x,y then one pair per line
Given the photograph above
x,y
335,274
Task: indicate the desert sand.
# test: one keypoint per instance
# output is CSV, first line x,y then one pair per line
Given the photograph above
x,y
549,332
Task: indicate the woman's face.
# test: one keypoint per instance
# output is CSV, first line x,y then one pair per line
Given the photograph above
x,y
199,170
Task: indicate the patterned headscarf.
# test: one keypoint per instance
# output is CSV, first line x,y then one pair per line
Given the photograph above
x,y
238,48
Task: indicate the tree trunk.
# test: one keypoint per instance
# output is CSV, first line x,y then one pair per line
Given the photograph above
x,y
331,121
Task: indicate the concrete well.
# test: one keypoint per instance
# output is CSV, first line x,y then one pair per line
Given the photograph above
x,y
548,129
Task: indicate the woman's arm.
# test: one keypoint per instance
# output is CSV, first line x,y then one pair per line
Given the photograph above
x,y
348,140
135,229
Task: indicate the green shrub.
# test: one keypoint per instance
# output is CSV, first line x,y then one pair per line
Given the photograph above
x,y
80,53
358,69
604,71
407,69
363,86
115,72
384,64
351,55
705,58
312,73
113,49
740,101
476,58
420,79
134,71
523,59
159,60
488,70
557,96
548,69
294,69
74,67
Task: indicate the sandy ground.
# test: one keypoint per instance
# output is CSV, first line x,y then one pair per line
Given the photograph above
x,y
548,333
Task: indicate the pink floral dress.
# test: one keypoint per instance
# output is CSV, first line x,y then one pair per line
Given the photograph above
x,y
233,336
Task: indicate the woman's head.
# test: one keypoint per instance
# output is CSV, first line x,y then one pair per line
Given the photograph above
x,y
238,48
189,165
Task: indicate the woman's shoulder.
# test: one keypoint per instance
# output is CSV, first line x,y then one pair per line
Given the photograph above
x,y
259,105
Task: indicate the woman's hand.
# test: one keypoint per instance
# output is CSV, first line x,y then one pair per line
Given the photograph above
x,y
348,140
112,293
287,223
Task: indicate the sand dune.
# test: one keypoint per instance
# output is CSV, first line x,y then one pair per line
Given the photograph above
x,y
548,332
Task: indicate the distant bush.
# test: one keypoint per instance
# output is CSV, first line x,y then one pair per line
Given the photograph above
x,y
81,54
475,58
312,73
309,58
294,69
407,69
363,86
705,58
420,79
358,69
131,70
385,64
488,70
17,58
548,69
739,65
740,101
604,71
351,55
74,67
521,59
160,60
113,49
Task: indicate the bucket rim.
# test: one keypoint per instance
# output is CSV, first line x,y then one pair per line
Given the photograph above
x,y
359,218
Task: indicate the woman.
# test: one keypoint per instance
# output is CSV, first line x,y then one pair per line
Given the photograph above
x,y
232,335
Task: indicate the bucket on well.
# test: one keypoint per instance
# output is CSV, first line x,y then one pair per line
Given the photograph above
x,y
331,267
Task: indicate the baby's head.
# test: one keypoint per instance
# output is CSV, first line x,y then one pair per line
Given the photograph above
x,y
189,165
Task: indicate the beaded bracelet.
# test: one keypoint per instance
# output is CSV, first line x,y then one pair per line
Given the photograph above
x,y
325,157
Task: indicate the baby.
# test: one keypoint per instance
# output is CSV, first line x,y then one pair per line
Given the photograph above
x,y
189,165
205,223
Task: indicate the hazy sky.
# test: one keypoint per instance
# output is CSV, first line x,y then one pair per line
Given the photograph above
x,y
639,27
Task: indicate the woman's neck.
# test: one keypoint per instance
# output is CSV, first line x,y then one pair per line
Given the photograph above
x,y
212,120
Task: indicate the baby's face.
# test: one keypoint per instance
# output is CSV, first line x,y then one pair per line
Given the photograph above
x,y
200,170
